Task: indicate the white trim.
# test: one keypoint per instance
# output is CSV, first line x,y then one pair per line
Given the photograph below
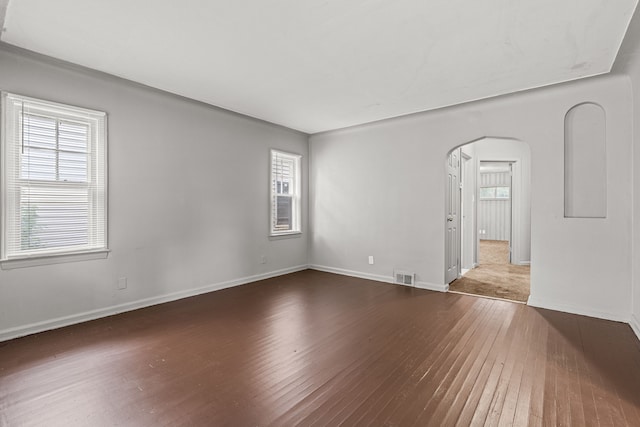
x,y
286,235
48,259
487,296
432,286
616,317
377,277
525,263
359,274
634,322
11,333
296,194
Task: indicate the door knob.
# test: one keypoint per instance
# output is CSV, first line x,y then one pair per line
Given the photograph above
x,y
449,218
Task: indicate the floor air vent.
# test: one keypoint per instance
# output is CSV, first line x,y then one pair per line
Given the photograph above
x,y
405,278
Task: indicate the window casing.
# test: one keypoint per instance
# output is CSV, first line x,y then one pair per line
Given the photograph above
x,y
54,179
285,193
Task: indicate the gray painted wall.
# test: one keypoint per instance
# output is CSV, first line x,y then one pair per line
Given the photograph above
x,y
628,65
188,200
634,73
585,153
184,220
378,190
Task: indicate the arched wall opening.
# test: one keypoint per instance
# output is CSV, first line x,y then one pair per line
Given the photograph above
x,y
488,200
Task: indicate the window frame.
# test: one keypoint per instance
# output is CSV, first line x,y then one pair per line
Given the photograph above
x,y
296,194
95,186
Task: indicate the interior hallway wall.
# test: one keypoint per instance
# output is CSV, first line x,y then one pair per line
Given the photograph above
x,y
469,256
378,190
492,149
188,200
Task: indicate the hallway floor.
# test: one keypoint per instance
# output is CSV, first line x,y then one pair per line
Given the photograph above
x,y
494,276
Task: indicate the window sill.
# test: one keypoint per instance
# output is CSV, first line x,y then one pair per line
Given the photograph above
x,y
287,235
37,260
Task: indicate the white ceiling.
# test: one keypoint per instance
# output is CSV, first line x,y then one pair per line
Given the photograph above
x,y
316,65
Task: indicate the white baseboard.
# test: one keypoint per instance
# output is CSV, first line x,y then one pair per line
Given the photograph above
x,y
432,286
376,277
359,274
524,263
59,322
616,317
635,325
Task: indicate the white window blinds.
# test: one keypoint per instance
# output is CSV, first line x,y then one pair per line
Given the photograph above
x,y
53,178
285,193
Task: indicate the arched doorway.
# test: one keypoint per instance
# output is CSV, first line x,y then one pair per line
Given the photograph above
x,y
488,220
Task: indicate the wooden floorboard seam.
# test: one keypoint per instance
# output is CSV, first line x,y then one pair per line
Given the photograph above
x,y
319,349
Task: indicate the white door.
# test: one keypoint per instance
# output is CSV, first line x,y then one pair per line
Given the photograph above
x,y
452,220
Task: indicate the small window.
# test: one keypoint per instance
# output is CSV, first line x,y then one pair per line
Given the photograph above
x,y
502,192
53,179
488,192
494,193
285,193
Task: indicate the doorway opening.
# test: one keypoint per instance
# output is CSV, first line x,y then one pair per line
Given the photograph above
x,y
488,219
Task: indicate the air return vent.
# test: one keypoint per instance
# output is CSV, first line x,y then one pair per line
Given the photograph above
x,y
404,277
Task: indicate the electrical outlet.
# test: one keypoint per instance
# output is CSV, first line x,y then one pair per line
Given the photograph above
x,y
263,259
371,259
122,283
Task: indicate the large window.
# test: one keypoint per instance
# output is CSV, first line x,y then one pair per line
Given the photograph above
x,y
285,193
53,179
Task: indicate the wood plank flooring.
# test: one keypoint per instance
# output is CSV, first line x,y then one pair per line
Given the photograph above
x,y
317,349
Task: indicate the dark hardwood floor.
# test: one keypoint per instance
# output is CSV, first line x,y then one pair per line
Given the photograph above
x,y
314,348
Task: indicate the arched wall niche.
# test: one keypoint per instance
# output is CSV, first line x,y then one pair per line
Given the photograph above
x,y
585,162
